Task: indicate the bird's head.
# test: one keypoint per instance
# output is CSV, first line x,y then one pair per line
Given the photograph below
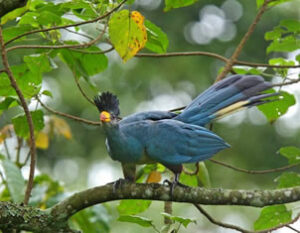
x,y
108,106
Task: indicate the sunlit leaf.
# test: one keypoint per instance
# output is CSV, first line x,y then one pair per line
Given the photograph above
x,y
15,181
272,216
11,32
184,221
142,221
188,179
292,25
127,33
275,109
171,4
291,153
129,207
203,176
47,93
154,177
288,179
15,13
286,44
157,40
42,140
21,125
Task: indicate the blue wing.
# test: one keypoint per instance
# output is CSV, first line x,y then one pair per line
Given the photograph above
x,y
228,95
174,142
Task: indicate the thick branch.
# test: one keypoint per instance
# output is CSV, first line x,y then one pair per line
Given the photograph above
x,y
7,6
100,194
27,114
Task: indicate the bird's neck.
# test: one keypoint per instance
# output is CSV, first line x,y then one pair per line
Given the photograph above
x,y
111,129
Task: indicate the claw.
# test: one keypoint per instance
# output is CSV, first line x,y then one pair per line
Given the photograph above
x,y
173,184
119,183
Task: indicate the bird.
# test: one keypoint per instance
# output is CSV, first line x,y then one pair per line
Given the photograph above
x,y
176,138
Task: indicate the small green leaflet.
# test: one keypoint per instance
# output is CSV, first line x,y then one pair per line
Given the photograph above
x,y
129,207
15,181
144,222
272,216
184,221
203,176
277,108
291,153
172,4
21,125
157,40
288,179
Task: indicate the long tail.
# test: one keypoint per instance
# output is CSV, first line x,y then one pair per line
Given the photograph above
x,y
225,97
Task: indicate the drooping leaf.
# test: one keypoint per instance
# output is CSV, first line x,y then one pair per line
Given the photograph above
x,y
188,180
157,40
15,181
6,132
172,4
291,153
47,93
184,221
15,13
275,109
272,216
61,127
203,176
288,179
285,44
131,207
21,125
85,64
142,221
127,33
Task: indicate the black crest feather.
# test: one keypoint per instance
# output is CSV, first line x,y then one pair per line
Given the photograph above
x,y
107,102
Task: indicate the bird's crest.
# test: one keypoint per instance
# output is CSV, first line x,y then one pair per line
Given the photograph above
x,y
107,102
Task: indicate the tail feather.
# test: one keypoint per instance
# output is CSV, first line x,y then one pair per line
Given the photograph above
x,y
225,97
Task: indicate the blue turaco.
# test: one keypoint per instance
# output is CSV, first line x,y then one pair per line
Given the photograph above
x,y
173,139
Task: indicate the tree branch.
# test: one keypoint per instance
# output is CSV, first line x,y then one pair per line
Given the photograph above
x,y
66,26
28,118
213,55
253,172
75,118
242,43
237,228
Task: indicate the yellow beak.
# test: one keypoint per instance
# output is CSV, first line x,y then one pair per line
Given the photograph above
x,y
105,116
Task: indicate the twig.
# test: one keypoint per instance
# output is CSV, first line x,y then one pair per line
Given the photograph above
x,y
19,146
286,83
67,115
93,52
214,55
28,118
66,26
237,228
292,228
194,172
242,43
255,171
81,90
78,33
6,149
168,209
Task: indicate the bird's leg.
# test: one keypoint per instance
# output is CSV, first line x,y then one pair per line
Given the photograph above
x,y
176,169
129,176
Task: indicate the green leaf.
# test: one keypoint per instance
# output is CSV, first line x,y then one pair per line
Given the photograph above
x,y
21,125
291,25
38,64
272,216
184,221
129,207
277,108
288,179
203,176
188,179
15,181
85,64
171,4
11,32
291,153
281,61
286,44
142,221
47,93
157,40
259,3
127,33
15,13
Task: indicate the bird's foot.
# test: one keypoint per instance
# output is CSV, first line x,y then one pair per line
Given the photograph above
x,y
119,183
172,185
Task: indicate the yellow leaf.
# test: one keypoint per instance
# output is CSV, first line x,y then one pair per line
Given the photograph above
x,y
42,140
5,132
127,33
154,177
61,127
